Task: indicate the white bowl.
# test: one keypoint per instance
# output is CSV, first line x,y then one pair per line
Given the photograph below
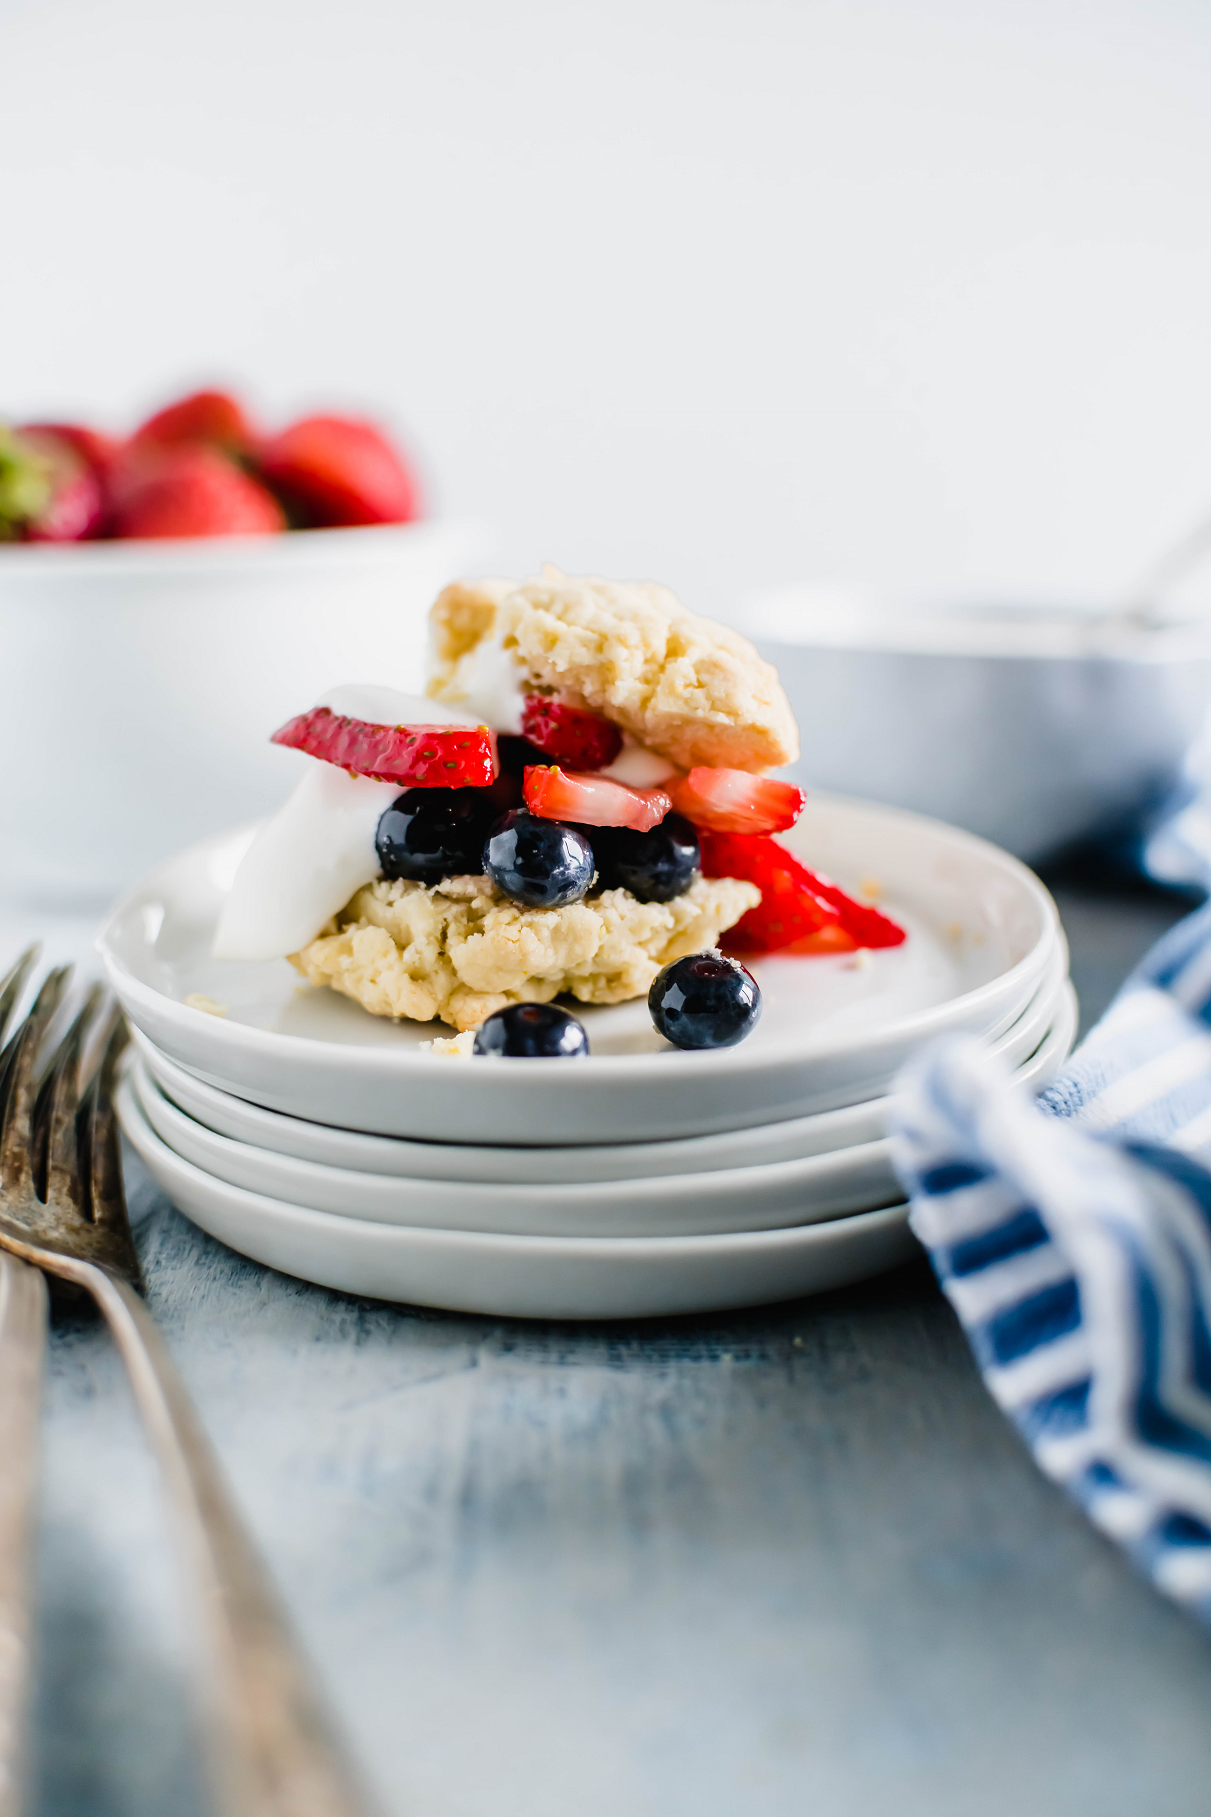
x,y
982,932
766,1196
526,1277
796,1139
1035,729
139,683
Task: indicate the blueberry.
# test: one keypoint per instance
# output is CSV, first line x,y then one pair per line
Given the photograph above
x,y
428,834
706,1000
517,753
542,863
532,1031
654,866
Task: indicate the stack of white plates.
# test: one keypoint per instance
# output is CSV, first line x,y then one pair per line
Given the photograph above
x,y
641,1181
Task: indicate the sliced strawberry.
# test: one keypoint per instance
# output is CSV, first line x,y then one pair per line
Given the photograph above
x,y
791,909
797,908
189,491
732,801
869,926
555,794
428,757
213,418
831,938
333,470
570,735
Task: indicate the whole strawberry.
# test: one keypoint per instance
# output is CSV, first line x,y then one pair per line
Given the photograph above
x,y
189,491
338,470
94,447
48,493
213,419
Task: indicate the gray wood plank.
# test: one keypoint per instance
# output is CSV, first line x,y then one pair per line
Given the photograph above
x,y
781,1562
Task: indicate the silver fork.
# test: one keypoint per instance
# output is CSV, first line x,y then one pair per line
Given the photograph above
x,y
271,1749
22,1349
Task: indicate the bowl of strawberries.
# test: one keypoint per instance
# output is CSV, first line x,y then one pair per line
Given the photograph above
x,y
161,592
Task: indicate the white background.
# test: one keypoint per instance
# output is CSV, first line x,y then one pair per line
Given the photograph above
x,y
733,293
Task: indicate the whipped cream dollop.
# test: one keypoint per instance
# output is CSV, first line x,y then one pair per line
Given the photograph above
x,y
307,861
639,767
490,684
381,706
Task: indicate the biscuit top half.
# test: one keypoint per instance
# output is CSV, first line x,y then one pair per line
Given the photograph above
x,y
694,691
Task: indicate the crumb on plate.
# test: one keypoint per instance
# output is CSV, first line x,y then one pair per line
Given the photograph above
x,y
451,1047
209,1006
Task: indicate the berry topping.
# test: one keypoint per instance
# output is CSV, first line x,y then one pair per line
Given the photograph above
x,y
335,470
570,735
426,756
705,1000
539,862
532,1031
428,834
797,907
213,418
556,794
732,801
654,866
191,490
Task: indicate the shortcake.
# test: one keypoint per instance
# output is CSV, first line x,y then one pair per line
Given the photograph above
x,y
579,801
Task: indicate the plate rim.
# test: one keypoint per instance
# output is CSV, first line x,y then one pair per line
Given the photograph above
x,y
485,1149
718,1180
1061,1032
711,1180
721,1243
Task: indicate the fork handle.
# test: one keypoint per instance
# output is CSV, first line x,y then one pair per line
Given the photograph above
x,y
22,1355
273,1751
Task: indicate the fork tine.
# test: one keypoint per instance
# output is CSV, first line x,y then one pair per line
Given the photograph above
x,y
13,983
107,1195
55,1136
16,1159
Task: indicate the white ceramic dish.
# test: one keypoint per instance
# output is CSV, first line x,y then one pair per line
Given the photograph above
x,y
1034,727
526,1277
793,1140
151,674
834,1031
672,1205
767,1196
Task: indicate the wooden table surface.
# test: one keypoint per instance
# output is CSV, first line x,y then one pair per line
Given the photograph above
x,y
788,1563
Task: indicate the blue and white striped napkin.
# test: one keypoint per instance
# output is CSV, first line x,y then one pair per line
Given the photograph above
x,y
1073,1238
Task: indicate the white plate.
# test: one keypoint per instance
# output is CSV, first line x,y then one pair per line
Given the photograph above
x,y
672,1205
833,1032
527,1277
793,1140
769,1196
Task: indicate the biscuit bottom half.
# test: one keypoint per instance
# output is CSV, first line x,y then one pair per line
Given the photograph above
x,y
460,950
